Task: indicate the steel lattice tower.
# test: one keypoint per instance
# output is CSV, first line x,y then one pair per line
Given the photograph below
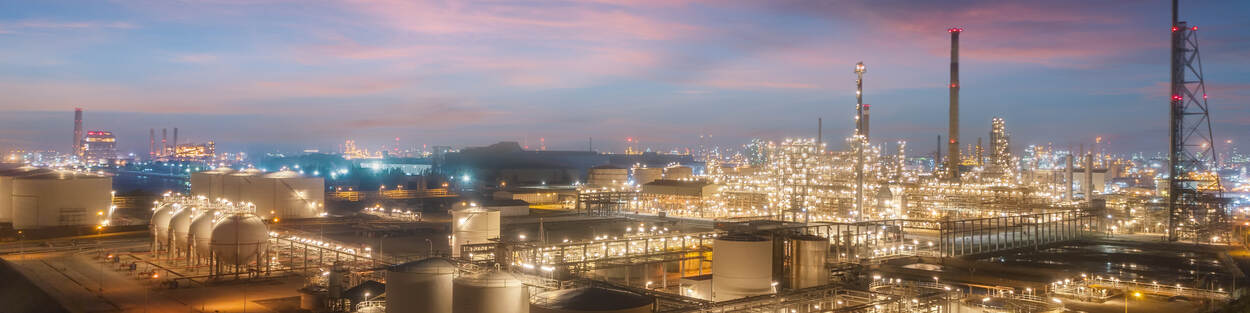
x,y
1195,209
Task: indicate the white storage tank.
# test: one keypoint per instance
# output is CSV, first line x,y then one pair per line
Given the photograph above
x,y
160,222
180,227
209,183
490,292
239,238
235,184
50,198
808,255
607,176
678,172
472,226
643,175
742,266
292,195
420,286
201,232
591,299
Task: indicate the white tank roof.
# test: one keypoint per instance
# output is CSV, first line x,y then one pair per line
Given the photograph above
x,y
426,266
492,279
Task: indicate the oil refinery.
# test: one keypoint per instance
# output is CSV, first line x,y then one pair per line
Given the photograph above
x,y
792,222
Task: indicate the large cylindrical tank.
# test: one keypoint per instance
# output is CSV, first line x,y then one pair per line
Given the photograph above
x,y
473,225
678,172
644,175
808,255
201,231
490,292
160,222
742,266
591,299
239,238
180,226
294,195
420,286
607,176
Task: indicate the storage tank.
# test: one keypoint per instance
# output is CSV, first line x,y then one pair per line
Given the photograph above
x,y
420,286
237,239
607,176
293,195
490,292
48,198
591,299
235,184
209,183
643,175
201,232
471,226
808,255
180,226
678,172
160,222
742,266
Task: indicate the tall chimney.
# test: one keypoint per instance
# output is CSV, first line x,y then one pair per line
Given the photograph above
x,y
1067,194
151,142
953,134
164,143
820,134
1089,178
77,132
937,158
173,146
866,119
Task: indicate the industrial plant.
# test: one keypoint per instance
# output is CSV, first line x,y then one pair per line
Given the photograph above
x,y
805,224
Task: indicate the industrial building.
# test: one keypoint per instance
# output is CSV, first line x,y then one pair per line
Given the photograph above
x,y
99,146
283,194
33,198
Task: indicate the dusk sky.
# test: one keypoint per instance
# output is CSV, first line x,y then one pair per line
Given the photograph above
x,y
261,75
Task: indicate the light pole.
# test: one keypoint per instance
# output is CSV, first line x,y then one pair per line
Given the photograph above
x,y
1136,294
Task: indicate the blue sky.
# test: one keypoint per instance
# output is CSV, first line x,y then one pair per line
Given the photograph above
x,y
266,75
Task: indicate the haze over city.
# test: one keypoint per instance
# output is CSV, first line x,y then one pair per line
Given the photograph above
x,y
648,156
261,76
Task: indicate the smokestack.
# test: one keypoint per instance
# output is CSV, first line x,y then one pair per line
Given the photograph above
x,y
953,135
937,158
820,133
151,142
866,119
1089,178
173,146
1067,194
164,143
77,132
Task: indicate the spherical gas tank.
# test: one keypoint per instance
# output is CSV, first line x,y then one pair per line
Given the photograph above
x,y
201,231
180,224
490,292
160,222
239,238
420,286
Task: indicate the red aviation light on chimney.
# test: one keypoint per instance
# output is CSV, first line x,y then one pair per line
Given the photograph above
x,y
1194,28
954,85
1175,29
1177,97
954,29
